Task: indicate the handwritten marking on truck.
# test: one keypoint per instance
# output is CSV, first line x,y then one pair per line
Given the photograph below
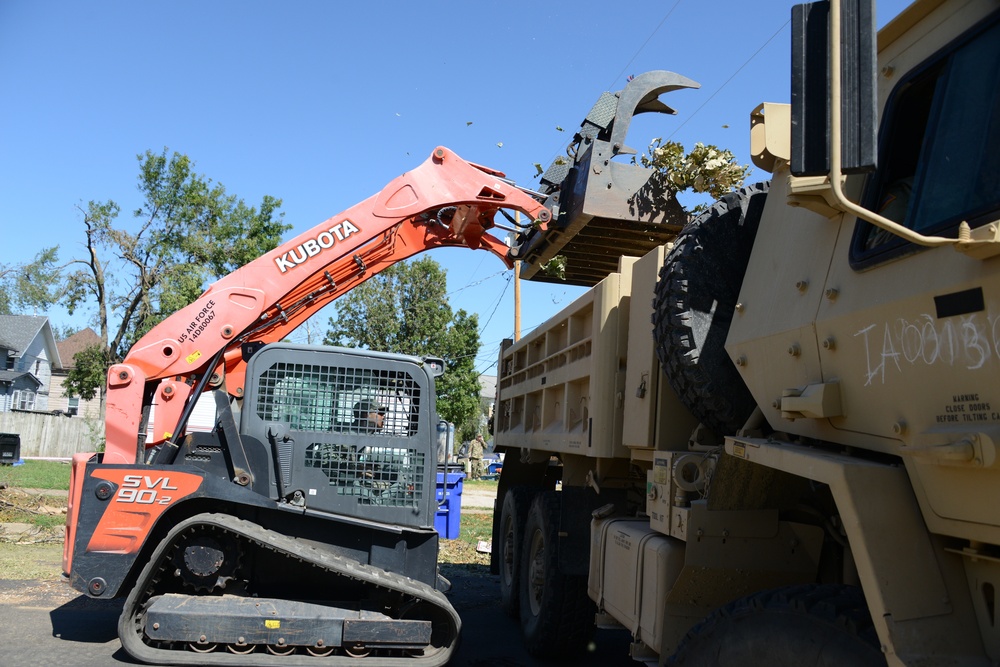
x,y
970,341
314,246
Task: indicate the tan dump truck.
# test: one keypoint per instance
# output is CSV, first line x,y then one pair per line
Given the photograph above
x,y
771,438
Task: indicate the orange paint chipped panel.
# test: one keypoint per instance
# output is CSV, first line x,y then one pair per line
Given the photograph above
x,y
141,497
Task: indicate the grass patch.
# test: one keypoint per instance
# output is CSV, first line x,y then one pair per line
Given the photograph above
x,y
479,484
474,527
20,562
42,512
36,475
34,517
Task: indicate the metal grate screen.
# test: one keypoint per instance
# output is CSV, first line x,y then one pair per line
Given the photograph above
x,y
376,475
312,397
347,412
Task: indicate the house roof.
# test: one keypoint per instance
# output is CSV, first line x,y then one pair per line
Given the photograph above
x,y
78,342
9,377
20,330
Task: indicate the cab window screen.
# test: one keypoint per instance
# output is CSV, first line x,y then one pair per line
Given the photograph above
x,y
940,150
314,397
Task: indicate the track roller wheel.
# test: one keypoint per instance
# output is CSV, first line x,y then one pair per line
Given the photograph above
x,y
357,650
206,647
319,651
241,649
280,649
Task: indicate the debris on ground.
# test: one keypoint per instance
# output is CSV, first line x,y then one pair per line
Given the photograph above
x,y
30,517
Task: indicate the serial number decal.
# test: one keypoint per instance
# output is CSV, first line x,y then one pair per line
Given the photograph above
x,y
199,323
145,490
314,246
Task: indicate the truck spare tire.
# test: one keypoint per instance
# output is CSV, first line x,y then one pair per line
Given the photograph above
x,y
693,306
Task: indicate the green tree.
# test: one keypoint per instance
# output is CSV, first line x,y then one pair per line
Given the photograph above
x,y
404,309
187,231
705,170
89,371
32,286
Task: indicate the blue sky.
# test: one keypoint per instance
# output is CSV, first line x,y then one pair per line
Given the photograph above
x,y
322,103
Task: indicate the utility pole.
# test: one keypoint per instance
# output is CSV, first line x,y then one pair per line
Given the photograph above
x,y
517,289
517,300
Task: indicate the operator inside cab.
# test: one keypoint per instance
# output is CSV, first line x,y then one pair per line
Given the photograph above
x,y
369,417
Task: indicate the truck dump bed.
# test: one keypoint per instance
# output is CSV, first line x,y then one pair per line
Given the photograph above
x,y
587,380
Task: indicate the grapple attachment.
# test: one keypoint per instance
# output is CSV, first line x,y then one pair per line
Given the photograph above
x,y
604,209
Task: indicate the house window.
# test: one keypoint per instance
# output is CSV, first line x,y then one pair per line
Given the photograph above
x,y
73,406
24,399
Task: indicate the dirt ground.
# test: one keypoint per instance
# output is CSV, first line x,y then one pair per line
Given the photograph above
x,y
480,497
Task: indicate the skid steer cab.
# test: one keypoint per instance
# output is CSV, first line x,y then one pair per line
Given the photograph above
x,y
302,524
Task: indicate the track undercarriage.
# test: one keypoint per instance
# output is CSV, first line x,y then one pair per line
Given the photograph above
x,y
223,590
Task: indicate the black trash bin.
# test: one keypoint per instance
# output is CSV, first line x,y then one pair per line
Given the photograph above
x,y
10,448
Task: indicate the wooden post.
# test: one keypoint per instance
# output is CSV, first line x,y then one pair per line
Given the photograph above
x,y
517,290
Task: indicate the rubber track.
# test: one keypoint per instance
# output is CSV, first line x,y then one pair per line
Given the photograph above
x,y
130,633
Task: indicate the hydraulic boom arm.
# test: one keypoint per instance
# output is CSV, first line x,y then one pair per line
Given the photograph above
x,y
444,202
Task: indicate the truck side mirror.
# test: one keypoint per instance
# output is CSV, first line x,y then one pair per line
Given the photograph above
x,y
812,87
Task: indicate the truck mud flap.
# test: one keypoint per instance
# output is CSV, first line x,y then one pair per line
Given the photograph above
x,y
163,626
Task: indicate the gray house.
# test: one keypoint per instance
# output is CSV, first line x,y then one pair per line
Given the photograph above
x,y
28,353
60,398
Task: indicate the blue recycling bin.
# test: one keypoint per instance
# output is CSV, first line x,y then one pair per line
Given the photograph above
x,y
448,517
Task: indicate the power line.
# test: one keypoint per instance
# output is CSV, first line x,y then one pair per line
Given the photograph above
x,y
483,328
731,77
632,59
639,50
478,282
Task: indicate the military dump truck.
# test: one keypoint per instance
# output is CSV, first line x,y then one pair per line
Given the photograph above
x,y
769,435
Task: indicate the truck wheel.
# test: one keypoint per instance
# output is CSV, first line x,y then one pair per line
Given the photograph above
x,y
557,617
810,625
513,515
693,307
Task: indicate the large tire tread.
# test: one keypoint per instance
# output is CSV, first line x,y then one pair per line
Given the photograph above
x,y
565,622
694,303
809,625
514,508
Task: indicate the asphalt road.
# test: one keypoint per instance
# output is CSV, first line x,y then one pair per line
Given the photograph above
x,y
46,623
